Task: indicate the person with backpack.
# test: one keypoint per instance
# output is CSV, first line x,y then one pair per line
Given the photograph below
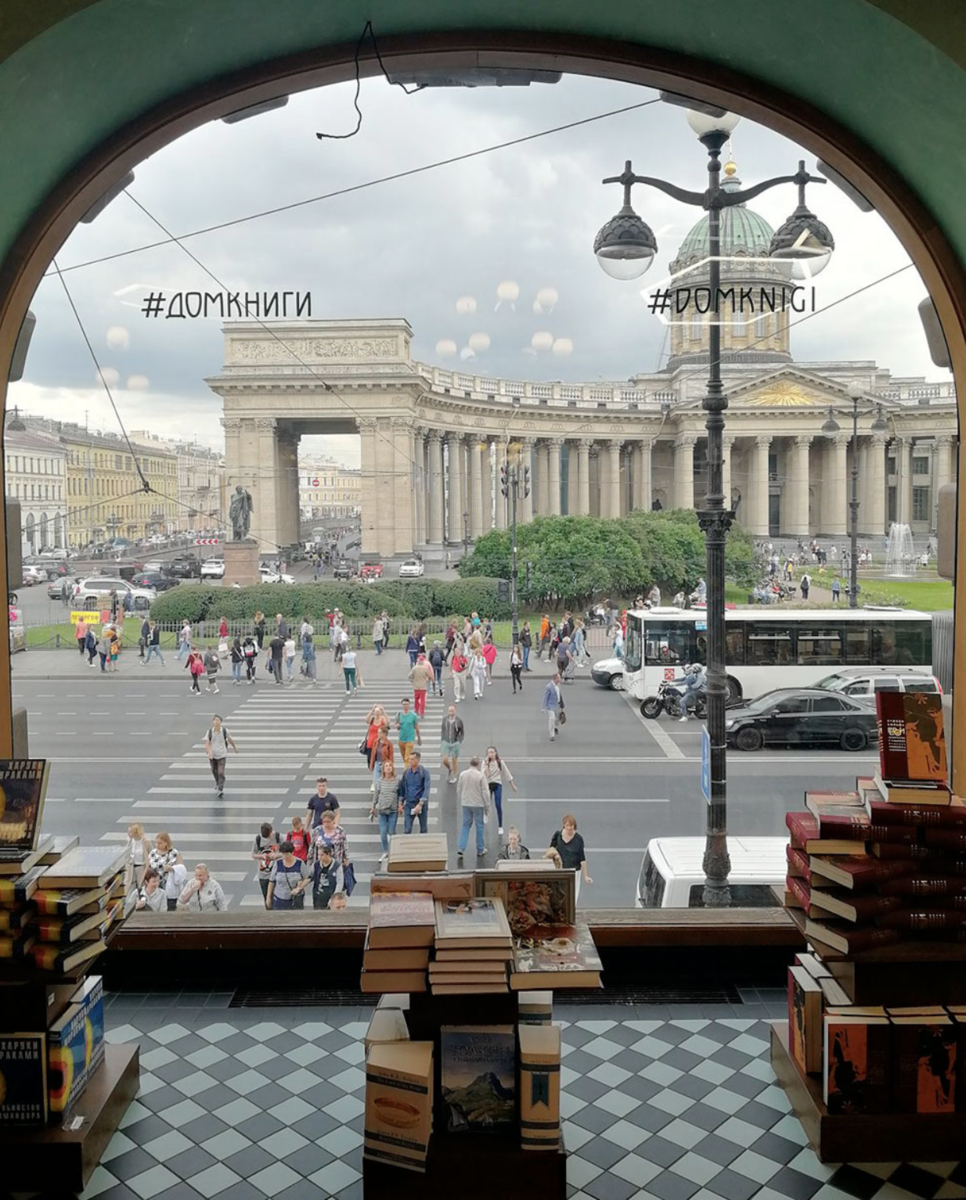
x,y
217,741
804,584
458,665
212,663
299,837
195,666
288,880
250,651
264,852
436,660
115,648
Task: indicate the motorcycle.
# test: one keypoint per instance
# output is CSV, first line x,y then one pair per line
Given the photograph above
x,y
670,693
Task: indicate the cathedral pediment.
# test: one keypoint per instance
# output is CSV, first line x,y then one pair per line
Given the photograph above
x,y
787,389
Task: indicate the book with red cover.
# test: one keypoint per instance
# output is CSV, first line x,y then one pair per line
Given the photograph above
x,y
950,816
911,741
856,1065
922,920
945,839
904,850
800,892
924,1074
798,866
852,906
851,823
850,939
805,835
924,885
859,871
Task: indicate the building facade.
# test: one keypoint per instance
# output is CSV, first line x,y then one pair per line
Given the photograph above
x,y
200,491
328,489
35,473
433,440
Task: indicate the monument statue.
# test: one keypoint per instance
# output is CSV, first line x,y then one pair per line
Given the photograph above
x,y
240,513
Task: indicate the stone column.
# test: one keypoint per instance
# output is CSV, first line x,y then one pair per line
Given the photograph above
x,y
573,480
759,486
583,476
263,486
728,443
367,488
904,480
684,470
540,470
943,471
877,506
286,487
525,503
642,475
420,488
403,514
435,450
475,507
614,478
455,493
553,477
838,486
796,522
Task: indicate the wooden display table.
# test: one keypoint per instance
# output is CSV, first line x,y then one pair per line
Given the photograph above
x,y
863,1137
56,1160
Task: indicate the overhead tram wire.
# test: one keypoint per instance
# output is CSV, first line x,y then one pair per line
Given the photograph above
x,y
359,187
100,375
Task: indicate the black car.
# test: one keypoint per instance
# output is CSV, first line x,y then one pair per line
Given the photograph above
x,y
801,717
343,569
184,568
154,580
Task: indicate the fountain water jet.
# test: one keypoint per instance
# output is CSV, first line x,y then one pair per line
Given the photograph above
x,y
900,560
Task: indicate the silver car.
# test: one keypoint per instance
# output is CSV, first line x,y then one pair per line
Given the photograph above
x,y
609,673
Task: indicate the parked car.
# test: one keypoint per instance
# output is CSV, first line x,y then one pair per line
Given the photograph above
x,y
866,681
801,717
213,568
672,872
343,569
155,581
370,570
412,568
34,574
55,589
609,673
184,568
270,575
96,590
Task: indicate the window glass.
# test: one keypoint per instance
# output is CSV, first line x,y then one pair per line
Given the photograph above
x,y
735,645
885,683
792,704
905,642
920,464
768,643
632,647
918,683
667,643
826,704
819,645
855,644
651,885
921,497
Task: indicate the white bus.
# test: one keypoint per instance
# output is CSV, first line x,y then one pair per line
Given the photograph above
x,y
772,648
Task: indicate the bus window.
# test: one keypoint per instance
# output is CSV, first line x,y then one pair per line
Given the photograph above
x,y
668,643
632,647
856,644
911,638
819,646
769,644
735,645
884,651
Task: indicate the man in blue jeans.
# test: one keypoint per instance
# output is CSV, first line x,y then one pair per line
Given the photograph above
x,y
414,790
473,797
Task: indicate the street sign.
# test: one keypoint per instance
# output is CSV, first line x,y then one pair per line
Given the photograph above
x,y
92,618
207,541
706,765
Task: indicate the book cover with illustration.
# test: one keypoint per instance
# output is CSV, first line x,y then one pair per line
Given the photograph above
x,y
856,1064
23,1079
478,1076
924,1064
23,786
531,898
911,741
553,956
467,924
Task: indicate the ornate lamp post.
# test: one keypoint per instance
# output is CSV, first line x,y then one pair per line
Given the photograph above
x,y
830,429
625,247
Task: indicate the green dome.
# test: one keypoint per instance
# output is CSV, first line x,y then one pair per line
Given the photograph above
x,y
743,233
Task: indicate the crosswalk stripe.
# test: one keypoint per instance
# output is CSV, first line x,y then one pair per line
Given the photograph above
x,y
209,791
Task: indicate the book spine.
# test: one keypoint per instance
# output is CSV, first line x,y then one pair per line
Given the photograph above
x,y
920,920
920,885
946,839
864,937
802,826
891,728
800,890
856,829
872,907
903,851
798,865
935,816
873,871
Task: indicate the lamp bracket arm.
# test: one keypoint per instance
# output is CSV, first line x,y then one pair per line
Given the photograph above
x,y
730,198
669,189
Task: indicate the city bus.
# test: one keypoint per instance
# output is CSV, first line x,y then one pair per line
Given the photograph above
x,y
768,649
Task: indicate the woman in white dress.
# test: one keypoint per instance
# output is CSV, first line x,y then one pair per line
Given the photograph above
x,y
478,673
139,848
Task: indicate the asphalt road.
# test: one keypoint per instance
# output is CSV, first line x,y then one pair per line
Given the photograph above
x,y
130,747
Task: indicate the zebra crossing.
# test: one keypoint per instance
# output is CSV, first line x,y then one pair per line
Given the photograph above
x,y
286,738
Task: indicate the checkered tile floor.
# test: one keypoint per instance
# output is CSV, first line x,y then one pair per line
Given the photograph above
x,y
659,1104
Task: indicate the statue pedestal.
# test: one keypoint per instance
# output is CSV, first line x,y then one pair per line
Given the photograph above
x,y
241,563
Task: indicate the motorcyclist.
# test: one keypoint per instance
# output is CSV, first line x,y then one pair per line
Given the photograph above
x,y
692,684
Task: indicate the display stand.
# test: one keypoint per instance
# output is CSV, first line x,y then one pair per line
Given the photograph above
x,y
473,1166
58,1159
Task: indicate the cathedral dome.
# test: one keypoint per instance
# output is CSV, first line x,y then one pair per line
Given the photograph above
x,y
743,234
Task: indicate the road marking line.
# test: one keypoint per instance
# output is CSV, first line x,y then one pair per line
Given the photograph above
x,y
189,791
664,740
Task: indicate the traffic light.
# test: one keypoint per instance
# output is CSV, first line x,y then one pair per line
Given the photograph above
x,y
503,589
526,485
505,480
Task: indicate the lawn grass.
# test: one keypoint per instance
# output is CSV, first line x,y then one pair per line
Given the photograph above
x,y
926,595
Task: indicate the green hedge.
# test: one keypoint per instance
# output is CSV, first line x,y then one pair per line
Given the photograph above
x,y
418,598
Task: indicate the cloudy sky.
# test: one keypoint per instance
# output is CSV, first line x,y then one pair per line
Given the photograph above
x,y
413,247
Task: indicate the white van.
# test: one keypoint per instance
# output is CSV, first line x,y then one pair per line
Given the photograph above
x,y
672,875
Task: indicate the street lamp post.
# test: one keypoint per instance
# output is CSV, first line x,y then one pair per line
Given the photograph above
x,y
625,247
830,429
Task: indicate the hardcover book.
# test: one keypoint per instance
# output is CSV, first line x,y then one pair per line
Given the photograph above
x,y
467,989
924,1064
90,997
84,866
401,919
900,792
950,840
950,816
923,920
66,902
805,835
65,960
23,787
854,907
818,801
17,944
386,1025
16,918
850,939
539,1087
805,1020
833,994
18,862
797,893
531,898
912,745
859,871
373,982
66,930
844,822
399,1103
535,1008
66,1060
467,924
16,890
428,852
397,958
812,964
856,1065
454,885
478,1076
558,956
61,845
23,1079
925,885
798,866
910,851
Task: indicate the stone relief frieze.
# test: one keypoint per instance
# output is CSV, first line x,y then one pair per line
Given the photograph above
x,y
312,350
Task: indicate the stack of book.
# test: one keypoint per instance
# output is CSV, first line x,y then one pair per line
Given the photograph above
x,y
402,926
422,852
79,902
473,946
875,1058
